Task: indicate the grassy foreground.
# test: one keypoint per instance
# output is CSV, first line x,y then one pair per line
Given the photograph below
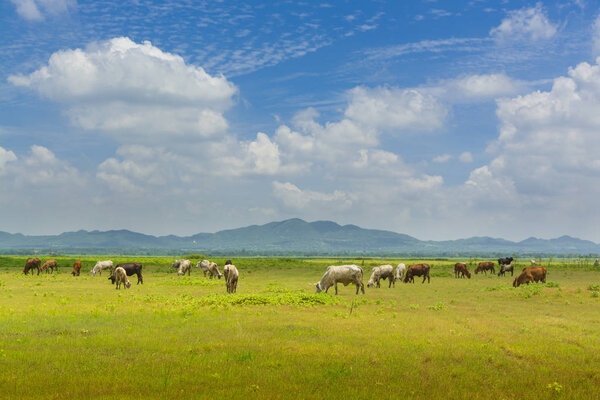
x,y
64,337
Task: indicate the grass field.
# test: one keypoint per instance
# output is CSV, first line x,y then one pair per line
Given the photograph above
x,y
64,337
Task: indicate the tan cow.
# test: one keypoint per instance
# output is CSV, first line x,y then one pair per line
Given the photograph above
x,y
231,277
121,277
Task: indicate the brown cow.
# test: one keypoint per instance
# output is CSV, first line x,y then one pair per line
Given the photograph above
x,y
32,263
76,268
484,267
461,269
50,265
531,274
417,270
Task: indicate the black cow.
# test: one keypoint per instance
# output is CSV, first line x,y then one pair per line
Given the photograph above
x,y
505,261
130,269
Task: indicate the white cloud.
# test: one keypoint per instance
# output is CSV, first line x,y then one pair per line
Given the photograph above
x,y
6,156
442,158
28,10
395,109
465,157
264,155
484,86
294,197
130,89
525,24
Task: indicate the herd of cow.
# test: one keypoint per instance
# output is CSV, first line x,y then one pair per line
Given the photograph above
x,y
344,274
353,274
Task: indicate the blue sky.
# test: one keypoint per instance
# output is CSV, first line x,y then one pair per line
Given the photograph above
x,y
434,118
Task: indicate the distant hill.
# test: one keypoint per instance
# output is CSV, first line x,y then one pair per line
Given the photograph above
x,y
294,236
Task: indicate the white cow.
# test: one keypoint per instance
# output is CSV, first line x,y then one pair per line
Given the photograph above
x,y
382,272
204,264
121,277
344,274
231,277
101,266
400,270
184,266
175,265
532,262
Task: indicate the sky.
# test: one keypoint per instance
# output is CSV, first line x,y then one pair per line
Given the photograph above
x,y
438,119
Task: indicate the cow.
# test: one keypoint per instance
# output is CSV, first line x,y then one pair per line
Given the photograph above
x,y
345,274
400,271
460,270
505,261
50,265
231,277
380,273
204,264
417,270
505,268
32,263
184,266
485,267
101,266
76,268
596,263
531,274
120,276
130,269
175,265
532,262
213,269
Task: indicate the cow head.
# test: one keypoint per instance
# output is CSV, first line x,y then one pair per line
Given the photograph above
x,y
318,285
127,284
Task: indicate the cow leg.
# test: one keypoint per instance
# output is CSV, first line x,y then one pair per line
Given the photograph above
x,y
336,288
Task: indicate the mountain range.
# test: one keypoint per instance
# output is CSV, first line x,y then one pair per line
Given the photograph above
x,y
289,237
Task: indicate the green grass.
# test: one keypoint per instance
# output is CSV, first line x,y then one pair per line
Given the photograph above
x,y
64,337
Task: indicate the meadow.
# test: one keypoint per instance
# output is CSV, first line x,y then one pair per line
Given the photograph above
x,y
64,337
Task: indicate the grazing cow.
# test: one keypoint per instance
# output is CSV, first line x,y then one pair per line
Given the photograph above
x,y
184,266
130,269
175,265
231,277
76,268
505,268
345,274
531,274
213,269
400,270
204,264
596,263
50,265
505,261
228,262
532,262
417,270
380,273
32,263
460,270
101,266
485,267
121,277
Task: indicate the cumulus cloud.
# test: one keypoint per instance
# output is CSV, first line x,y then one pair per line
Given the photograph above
x,y
6,156
525,24
484,86
130,89
395,109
